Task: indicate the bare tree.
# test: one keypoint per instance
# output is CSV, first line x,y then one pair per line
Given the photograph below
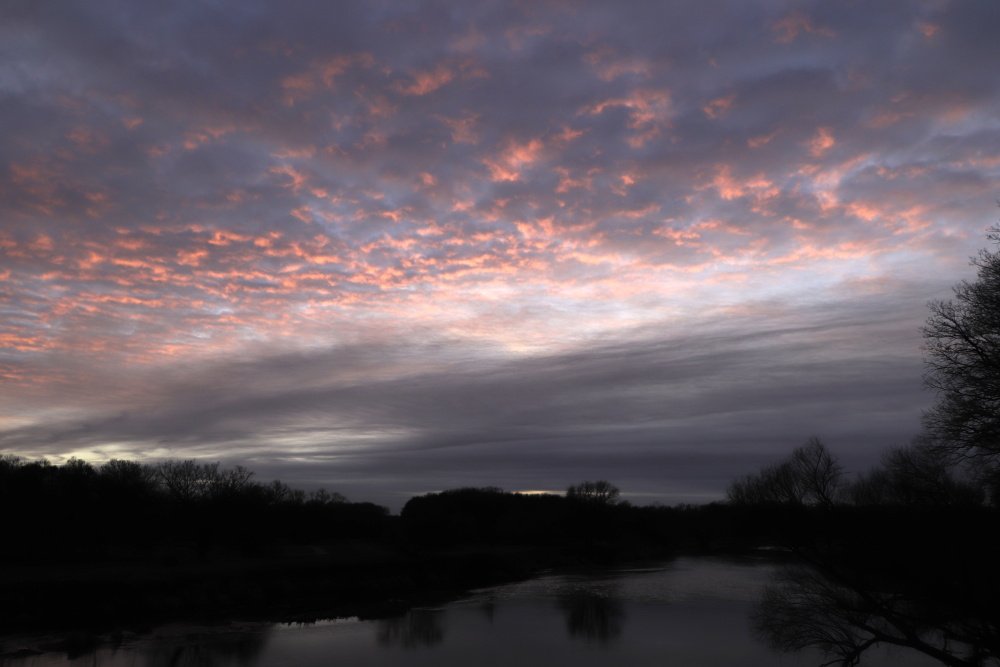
x,y
323,497
815,608
187,480
229,483
599,493
810,476
9,463
962,346
129,474
773,485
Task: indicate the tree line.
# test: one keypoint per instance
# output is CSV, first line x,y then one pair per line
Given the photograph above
x,y
188,509
77,511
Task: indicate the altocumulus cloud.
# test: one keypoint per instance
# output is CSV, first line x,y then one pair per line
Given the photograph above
x,y
397,247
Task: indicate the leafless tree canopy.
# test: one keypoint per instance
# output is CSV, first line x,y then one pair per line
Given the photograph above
x,y
810,608
600,492
915,476
189,480
962,346
810,476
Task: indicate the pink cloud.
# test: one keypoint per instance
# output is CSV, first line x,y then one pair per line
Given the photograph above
x,y
887,118
427,81
718,108
820,144
513,159
322,75
794,24
609,66
567,182
732,187
649,112
929,29
297,178
762,140
88,140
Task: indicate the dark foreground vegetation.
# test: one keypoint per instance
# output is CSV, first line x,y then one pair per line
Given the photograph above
x,y
902,554
906,554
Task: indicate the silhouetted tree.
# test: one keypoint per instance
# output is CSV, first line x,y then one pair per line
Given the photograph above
x,y
914,476
277,492
9,463
189,480
229,483
76,477
962,346
903,556
810,476
844,617
129,476
185,480
464,515
599,494
323,497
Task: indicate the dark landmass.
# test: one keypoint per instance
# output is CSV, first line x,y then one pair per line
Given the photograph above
x,y
903,554
125,547
93,558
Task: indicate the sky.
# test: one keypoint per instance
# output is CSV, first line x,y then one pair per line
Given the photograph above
x,y
390,248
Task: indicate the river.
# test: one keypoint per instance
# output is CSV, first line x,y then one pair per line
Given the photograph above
x,y
691,612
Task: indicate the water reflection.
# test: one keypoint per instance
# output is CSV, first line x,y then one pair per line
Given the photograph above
x,y
845,614
692,612
242,650
489,609
592,617
418,627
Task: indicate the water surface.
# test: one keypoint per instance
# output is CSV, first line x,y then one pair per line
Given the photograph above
x,y
689,611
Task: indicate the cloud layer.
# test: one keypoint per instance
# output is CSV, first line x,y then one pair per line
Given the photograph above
x,y
398,247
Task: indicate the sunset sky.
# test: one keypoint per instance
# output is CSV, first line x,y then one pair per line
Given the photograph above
x,y
395,247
